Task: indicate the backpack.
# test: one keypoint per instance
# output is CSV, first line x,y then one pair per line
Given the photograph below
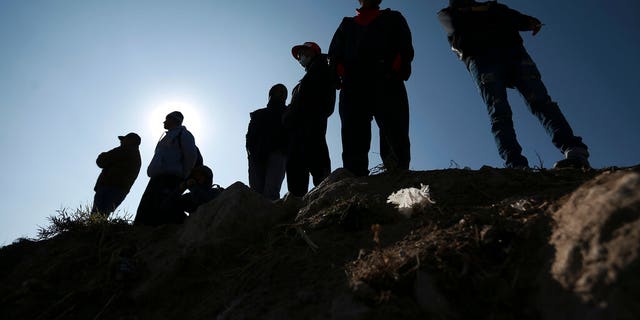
x,y
199,159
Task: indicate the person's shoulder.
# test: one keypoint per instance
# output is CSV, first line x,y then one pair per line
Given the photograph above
x,y
258,113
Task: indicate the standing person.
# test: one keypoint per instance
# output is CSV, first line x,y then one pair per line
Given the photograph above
x,y
312,102
175,155
267,145
486,37
120,168
372,54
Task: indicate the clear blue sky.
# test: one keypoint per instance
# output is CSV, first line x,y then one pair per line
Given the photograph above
x,y
76,74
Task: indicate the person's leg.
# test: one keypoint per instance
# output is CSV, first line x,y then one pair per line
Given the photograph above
x,y
529,82
356,132
276,167
318,153
257,174
489,76
392,116
148,204
297,169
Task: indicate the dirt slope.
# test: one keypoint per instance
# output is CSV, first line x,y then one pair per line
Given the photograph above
x,y
497,244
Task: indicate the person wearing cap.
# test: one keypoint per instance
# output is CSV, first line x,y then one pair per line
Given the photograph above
x,y
120,168
312,102
267,143
485,36
371,54
175,156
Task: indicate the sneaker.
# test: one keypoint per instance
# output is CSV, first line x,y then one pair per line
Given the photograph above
x,y
572,163
517,162
575,158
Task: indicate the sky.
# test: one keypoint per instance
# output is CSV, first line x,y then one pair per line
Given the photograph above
x,y
76,74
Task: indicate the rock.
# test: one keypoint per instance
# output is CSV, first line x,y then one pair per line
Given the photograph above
x,y
237,217
346,307
429,297
597,244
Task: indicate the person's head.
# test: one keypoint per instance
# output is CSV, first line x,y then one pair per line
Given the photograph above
x,y
305,53
370,3
460,3
173,120
130,140
203,176
278,93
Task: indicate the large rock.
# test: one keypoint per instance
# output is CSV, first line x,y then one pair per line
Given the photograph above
x,y
597,244
237,217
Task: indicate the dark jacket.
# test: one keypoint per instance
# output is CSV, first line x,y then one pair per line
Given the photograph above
x,y
313,99
266,134
120,168
471,30
373,49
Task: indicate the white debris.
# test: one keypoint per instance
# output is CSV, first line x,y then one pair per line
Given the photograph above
x,y
410,200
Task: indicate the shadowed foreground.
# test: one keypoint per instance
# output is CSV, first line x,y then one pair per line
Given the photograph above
x,y
497,244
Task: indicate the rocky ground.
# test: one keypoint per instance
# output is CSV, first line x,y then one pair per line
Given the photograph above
x,y
496,244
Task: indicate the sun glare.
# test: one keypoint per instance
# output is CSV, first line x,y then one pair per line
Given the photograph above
x,y
193,118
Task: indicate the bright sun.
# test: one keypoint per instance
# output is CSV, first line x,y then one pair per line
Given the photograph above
x,y
193,118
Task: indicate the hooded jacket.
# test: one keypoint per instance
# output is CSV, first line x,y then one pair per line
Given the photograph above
x,y
313,99
374,44
175,154
266,134
478,26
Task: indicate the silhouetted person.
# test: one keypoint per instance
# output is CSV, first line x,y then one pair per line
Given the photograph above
x,y
201,190
372,55
485,35
120,168
174,158
312,102
267,145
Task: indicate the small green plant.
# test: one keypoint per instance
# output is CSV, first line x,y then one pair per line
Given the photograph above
x,y
79,220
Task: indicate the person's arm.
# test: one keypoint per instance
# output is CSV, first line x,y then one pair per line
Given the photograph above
x,y
521,21
189,152
336,54
251,135
107,159
402,62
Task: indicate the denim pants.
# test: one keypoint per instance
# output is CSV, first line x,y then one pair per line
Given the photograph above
x,y
499,69
107,199
266,175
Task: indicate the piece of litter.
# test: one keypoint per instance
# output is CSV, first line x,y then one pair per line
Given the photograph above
x,y
409,200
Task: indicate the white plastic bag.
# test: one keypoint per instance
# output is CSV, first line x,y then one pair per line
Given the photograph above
x,y
410,200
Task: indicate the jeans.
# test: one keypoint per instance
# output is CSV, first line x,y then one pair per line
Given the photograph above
x,y
499,69
107,199
266,175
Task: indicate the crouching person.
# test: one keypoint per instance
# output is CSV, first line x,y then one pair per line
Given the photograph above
x,y
201,190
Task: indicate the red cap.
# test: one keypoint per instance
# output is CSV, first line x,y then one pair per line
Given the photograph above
x,y
311,45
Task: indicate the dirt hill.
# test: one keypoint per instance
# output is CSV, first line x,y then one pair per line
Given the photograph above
x,y
496,244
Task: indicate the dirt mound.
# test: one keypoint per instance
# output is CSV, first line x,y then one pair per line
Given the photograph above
x,y
497,244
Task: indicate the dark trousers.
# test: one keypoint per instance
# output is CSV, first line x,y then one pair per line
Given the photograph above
x,y
107,199
384,100
152,209
266,174
498,69
308,154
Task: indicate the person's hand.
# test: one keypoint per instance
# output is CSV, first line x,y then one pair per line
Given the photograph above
x,y
535,26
